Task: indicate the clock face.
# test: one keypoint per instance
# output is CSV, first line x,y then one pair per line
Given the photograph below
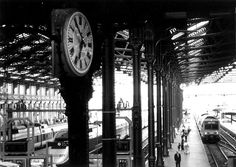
x,y
78,44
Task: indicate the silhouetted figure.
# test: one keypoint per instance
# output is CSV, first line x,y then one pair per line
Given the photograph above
x,y
177,158
179,147
182,144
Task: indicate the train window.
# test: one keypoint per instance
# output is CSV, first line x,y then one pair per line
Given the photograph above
x,y
37,124
61,136
44,137
37,162
123,145
211,126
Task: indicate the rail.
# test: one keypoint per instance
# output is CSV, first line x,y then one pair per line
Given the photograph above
x,y
218,156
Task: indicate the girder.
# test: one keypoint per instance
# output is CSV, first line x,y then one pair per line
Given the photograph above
x,y
195,50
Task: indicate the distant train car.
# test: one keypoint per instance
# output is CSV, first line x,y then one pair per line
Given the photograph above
x,y
209,127
42,133
60,151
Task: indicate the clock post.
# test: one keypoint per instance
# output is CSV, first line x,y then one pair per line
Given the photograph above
x,y
76,93
72,47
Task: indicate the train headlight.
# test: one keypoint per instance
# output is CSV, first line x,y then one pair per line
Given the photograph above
x,y
216,132
59,144
206,133
62,144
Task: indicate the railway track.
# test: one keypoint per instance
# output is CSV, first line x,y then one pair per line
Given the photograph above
x,y
217,156
218,153
228,139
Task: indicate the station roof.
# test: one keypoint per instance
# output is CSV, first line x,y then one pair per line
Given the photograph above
x,y
197,36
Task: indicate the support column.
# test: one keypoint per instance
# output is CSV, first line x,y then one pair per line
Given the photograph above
x,y
177,105
165,116
179,99
180,102
159,144
159,160
175,100
174,112
136,42
171,110
76,93
168,108
109,112
149,55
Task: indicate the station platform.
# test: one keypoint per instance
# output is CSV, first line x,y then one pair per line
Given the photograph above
x,y
196,157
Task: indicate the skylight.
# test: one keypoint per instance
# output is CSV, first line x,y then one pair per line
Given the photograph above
x,y
198,25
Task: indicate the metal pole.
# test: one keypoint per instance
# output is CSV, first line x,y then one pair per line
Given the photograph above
x,y
109,113
170,110
136,42
171,113
168,106
159,160
165,116
151,128
149,55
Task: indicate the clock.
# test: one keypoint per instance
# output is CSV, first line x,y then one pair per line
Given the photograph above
x,y
78,46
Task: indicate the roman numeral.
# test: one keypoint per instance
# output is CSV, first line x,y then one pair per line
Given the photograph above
x,y
85,63
76,23
72,28
72,51
89,33
70,40
88,55
76,60
80,20
80,61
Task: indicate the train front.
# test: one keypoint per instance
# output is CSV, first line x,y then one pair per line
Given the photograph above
x,y
210,129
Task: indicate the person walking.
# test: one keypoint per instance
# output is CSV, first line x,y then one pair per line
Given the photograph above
x,y
177,158
182,144
179,147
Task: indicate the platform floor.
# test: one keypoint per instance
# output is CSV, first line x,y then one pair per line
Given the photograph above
x,y
197,156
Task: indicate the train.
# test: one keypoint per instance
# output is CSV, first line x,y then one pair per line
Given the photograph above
x,y
43,133
209,127
60,149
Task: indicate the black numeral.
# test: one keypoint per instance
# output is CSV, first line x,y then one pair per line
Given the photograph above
x,y
80,61
72,51
89,33
80,20
90,45
76,60
85,63
71,27
76,23
70,39
88,55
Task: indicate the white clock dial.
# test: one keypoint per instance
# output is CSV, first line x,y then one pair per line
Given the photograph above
x,y
78,43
